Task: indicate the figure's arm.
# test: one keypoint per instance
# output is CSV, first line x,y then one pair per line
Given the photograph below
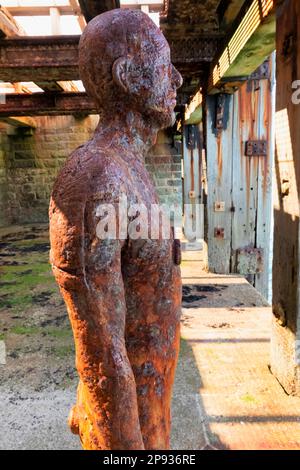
x,y
90,279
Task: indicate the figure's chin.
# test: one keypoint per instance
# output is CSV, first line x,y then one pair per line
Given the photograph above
x,y
163,119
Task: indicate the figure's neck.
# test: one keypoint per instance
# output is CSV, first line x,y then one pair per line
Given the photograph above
x,y
128,131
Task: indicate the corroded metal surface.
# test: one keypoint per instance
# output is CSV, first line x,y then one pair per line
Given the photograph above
x,y
56,57
47,104
191,17
123,295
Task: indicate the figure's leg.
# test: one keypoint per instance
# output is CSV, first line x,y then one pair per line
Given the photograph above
x,y
153,300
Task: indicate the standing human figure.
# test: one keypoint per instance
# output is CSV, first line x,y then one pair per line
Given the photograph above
x,y
123,295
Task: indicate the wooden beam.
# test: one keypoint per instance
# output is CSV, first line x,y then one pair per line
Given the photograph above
x,y
248,46
55,21
41,104
76,10
42,10
8,25
193,112
92,8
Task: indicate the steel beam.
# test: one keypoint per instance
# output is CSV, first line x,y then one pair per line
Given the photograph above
x,y
41,104
52,58
39,59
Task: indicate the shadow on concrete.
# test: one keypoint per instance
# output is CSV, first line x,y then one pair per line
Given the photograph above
x,y
190,424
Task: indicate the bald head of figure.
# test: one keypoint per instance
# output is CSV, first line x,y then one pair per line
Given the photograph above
x,y
124,63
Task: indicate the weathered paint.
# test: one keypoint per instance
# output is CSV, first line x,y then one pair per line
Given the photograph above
x,y
219,177
242,182
265,219
192,159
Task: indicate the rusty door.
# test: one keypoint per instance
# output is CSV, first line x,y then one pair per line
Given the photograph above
x,y
239,179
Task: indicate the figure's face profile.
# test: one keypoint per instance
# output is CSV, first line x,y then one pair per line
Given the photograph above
x,y
160,98
125,63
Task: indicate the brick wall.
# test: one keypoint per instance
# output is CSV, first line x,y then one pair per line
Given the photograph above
x,y
4,149
164,164
33,159
29,163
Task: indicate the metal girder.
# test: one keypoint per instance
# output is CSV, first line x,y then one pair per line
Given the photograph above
x,y
41,104
92,8
52,58
39,59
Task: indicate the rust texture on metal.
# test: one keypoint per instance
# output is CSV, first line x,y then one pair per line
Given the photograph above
x,y
123,295
256,148
43,104
190,17
39,58
249,260
262,72
219,232
56,58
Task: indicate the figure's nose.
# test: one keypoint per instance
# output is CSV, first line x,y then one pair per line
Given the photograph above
x,y
176,77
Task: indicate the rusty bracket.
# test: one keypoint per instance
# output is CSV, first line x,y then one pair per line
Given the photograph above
x,y
256,148
220,108
262,72
219,232
192,136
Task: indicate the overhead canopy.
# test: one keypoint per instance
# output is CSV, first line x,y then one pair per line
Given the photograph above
x,y
197,32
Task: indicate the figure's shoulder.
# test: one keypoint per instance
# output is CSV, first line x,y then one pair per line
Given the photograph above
x,y
90,172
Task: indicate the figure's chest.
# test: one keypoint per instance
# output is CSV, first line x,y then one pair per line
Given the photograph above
x,y
141,188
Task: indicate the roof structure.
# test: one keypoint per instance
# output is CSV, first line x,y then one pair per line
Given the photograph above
x,y
198,32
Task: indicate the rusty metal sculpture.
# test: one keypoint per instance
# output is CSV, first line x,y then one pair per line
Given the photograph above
x,y
123,295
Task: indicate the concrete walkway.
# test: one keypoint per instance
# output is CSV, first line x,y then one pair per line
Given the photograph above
x,y
224,395
230,400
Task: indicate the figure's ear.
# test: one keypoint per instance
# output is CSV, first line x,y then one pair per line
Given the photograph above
x,y
119,72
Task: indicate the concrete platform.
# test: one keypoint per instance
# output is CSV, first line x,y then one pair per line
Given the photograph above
x,y
234,400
